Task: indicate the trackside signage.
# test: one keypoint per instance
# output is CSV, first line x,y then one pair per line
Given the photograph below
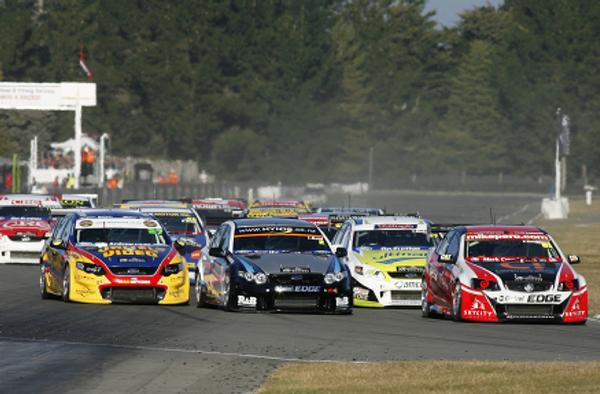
x,y
64,96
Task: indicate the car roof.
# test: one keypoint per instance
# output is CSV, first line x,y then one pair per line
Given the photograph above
x,y
271,222
369,222
503,228
151,209
115,213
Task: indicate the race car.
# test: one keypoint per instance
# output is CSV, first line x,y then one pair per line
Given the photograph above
x,y
499,273
387,256
183,225
106,256
350,210
274,264
215,211
330,222
24,226
134,204
69,201
279,208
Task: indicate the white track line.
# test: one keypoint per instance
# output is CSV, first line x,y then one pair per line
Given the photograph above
x,y
176,350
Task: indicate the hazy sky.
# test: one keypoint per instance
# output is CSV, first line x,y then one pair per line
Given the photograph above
x,y
448,10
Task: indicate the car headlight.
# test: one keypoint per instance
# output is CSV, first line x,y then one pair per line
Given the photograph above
x,y
569,285
172,269
259,278
484,284
89,268
333,277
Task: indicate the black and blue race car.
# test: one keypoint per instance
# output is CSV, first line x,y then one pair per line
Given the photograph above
x,y
274,264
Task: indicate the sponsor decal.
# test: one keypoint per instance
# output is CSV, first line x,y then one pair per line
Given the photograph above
x,y
341,301
396,226
544,298
246,301
74,203
478,309
121,250
132,281
289,270
408,284
529,278
150,223
502,236
297,289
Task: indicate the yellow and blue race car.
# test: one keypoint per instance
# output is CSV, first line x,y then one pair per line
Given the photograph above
x,y
106,256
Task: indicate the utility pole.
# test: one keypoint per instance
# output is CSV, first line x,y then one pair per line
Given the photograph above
x,y
370,168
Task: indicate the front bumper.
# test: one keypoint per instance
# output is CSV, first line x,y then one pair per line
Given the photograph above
x,y
107,289
293,297
549,306
22,252
379,293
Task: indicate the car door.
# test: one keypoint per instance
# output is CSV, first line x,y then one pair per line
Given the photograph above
x,y
56,252
61,257
447,277
221,264
436,269
212,280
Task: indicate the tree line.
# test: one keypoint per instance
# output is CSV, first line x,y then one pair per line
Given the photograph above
x,y
287,90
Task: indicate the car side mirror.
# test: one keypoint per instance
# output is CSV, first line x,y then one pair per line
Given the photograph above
x,y
446,258
217,252
574,259
180,246
58,243
341,252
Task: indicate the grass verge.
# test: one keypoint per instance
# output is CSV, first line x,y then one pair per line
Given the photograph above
x,y
436,377
579,234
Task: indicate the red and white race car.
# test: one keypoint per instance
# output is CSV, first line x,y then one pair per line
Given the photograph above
x,y
501,273
24,226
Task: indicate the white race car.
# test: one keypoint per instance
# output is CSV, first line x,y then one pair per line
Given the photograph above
x,y
24,226
387,257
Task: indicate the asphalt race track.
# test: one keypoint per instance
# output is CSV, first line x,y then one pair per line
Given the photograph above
x,y
51,346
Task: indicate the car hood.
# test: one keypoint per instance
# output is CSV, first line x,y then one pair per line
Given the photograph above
x,y
126,256
516,270
390,259
28,226
287,263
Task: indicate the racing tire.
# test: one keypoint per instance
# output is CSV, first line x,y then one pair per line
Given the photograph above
x,y
425,305
457,302
66,282
199,293
43,286
231,299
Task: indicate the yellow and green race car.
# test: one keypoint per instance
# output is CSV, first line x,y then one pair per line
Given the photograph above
x,y
387,257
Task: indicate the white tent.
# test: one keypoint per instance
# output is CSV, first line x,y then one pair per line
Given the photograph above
x,y
69,145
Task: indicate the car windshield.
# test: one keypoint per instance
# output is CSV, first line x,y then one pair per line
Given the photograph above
x,y
390,239
279,239
150,236
510,249
24,212
178,223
